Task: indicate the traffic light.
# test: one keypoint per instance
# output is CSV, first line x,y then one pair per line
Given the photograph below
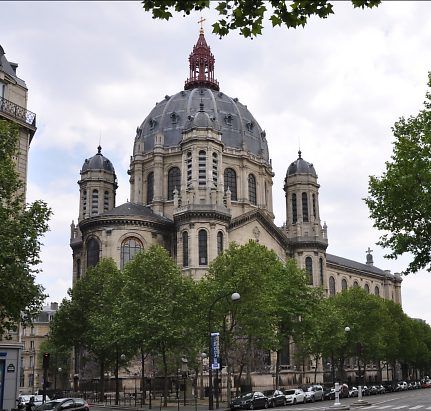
x,y
46,360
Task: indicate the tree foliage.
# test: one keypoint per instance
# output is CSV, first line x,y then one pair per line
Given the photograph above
x,y
400,200
248,16
23,225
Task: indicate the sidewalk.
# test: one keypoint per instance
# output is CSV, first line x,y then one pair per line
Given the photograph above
x,y
156,404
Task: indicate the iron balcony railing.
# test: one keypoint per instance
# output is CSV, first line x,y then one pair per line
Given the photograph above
x,y
18,112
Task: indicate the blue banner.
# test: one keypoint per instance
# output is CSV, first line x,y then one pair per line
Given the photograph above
x,y
215,351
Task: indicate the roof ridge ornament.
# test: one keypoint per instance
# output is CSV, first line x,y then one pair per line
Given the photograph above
x,y
201,64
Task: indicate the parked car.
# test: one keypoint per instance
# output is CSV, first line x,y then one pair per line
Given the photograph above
x,y
403,385
250,401
426,384
275,397
71,404
353,392
295,396
314,393
381,389
23,400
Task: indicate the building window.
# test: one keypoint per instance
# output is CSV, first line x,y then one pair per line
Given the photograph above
x,y
78,269
305,208
314,205
294,209
185,249
31,361
93,250
129,248
355,284
84,201
106,201
230,183
331,286
189,168
215,169
321,270
343,284
2,89
219,243
203,247
202,164
367,288
174,181
31,380
94,202
150,187
376,291
252,189
309,269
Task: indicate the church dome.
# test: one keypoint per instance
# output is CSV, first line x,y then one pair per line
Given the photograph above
x,y
300,166
98,162
171,116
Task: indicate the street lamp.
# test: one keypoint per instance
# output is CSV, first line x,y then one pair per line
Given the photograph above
x,y
117,387
213,348
203,356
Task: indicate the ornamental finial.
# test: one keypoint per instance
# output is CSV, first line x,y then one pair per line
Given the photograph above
x,y
201,22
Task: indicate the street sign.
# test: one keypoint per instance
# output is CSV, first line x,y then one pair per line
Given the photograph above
x,y
215,351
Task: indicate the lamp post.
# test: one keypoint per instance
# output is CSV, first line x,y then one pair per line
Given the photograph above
x,y
213,348
201,394
117,385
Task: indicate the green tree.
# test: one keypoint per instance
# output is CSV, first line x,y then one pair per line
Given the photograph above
x,y
248,15
158,306
249,325
90,321
23,225
400,200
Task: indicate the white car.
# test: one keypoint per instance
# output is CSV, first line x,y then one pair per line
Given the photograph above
x,y
314,393
295,396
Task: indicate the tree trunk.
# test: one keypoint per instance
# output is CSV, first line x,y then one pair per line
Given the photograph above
x,y
165,379
102,380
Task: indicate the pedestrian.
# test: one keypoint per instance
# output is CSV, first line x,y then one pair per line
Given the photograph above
x,y
30,404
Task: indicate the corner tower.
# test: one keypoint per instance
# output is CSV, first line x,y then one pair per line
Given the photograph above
x,y
97,186
307,237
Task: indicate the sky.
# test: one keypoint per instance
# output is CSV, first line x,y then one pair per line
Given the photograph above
x,y
332,89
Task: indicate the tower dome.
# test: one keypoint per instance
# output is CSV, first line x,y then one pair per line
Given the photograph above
x,y
300,166
97,162
170,117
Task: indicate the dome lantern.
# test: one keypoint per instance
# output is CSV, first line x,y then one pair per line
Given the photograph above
x,y
201,62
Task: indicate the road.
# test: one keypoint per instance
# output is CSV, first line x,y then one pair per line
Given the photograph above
x,y
407,400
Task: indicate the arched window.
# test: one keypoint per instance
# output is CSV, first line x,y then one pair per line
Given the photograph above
x,y
185,249
93,252
344,284
174,181
367,288
355,284
202,175
94,202
189,167
84,201
230,182
376,291
203,247
304,208
314,205
150,187
219,243
215,169
321,271
252,189
106,201
294,209
331,286
78,269
309,269
129,248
